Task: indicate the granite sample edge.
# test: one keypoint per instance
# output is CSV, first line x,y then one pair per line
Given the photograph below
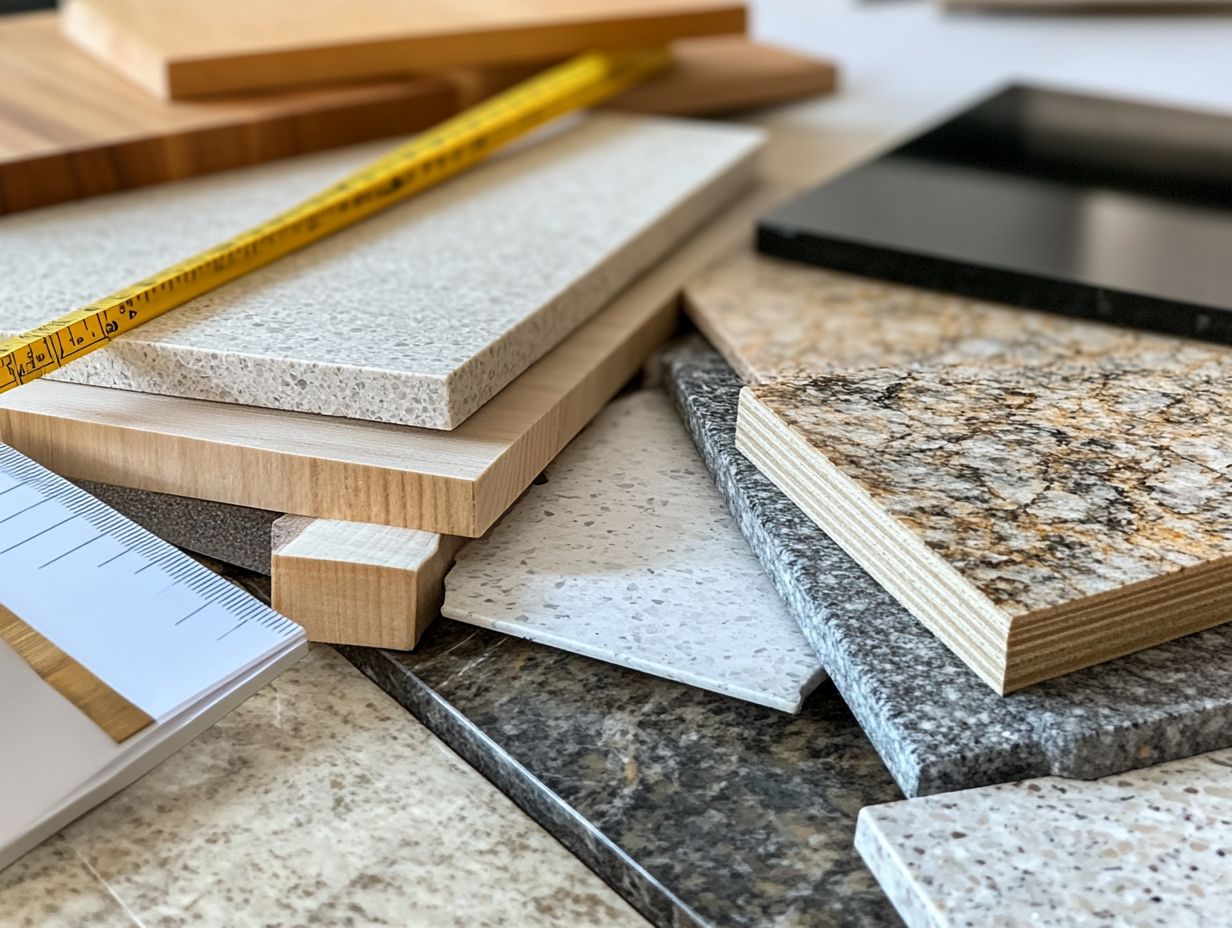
x,y
612,864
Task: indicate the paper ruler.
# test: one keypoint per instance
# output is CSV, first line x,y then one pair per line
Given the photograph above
x,y
423,162
123,625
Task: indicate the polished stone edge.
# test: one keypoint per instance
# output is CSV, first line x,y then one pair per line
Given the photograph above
x,y
613,865
910,904
921,761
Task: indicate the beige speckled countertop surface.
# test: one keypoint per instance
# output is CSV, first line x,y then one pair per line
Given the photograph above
x,y
318,802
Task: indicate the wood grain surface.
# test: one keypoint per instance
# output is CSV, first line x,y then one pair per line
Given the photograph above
x,y
224,46
70,127
110,711
351,583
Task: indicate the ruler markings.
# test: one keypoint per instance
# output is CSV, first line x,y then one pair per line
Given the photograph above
x,y
101,613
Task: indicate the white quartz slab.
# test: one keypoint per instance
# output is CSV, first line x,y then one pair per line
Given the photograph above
x,y
1150,848
628,554
416,316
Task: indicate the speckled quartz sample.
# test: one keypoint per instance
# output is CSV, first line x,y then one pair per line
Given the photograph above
x,y
626,553
773,318
317,802
1036,519
702,810
416,316
938,727
1151,848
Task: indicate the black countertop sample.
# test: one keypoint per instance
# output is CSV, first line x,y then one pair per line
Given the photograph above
x,y
698,809
1100,208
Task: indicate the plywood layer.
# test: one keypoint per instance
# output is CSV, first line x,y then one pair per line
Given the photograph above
x,y
1037,520
190,49
455,483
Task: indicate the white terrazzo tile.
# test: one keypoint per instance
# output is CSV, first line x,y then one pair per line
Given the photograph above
x,y
628,554
1147,848
416,316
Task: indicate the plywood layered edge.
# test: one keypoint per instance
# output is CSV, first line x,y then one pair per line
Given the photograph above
x,y
1006,652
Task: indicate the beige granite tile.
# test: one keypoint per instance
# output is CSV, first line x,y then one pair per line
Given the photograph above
x,y
53,886
772,318
1027,513
319,802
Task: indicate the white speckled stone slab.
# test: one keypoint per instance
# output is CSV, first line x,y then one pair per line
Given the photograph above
x,y
1149,848
416,316
627,554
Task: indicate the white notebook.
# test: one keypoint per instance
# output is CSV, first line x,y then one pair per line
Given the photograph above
x,y
159,632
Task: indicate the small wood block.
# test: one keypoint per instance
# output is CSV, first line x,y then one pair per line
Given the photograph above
x,y
71,127
224,46
110,711
350,583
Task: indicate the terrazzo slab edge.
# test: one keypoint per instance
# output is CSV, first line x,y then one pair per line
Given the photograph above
x,y
937,727
1143,848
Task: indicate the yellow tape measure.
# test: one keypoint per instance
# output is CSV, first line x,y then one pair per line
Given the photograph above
x,y
424,161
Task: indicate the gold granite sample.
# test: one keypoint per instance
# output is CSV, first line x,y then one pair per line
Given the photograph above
x,y
319,801
1038,516
773,318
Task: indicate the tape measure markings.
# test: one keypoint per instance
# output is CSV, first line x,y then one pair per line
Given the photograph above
x,y
424,161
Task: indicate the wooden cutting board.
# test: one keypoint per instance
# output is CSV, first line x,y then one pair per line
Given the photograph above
x,y
221,46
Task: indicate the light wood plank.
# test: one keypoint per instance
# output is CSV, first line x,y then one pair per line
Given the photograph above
x,y
70,127
455,483
350,583
225,46
106,708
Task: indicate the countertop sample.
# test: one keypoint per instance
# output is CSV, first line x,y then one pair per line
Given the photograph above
x,y
319,801
418,315
703,810
623,551
1037,519
938,727
1149,848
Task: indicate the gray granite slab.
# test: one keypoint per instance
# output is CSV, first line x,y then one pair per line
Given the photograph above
x,y
936,725
700,809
